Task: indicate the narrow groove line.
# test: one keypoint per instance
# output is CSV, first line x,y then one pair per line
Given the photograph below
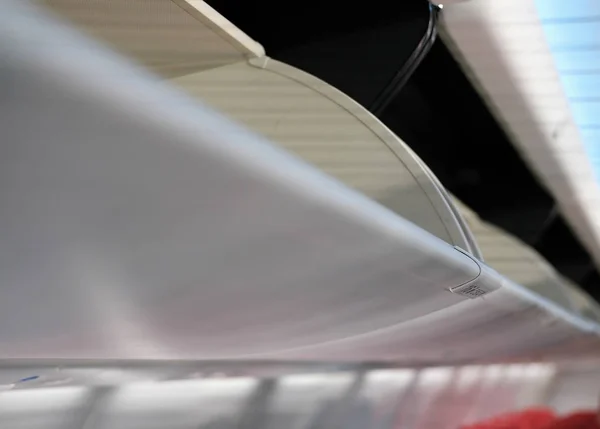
x,y
592,47
593,99
576,72
570,20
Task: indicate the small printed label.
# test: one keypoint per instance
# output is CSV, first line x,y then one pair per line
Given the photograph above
x,y
473,290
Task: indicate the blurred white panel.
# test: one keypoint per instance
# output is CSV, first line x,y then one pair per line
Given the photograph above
x,y
576,389
388,384
532,388
426,398
460,401
52,408
307,401
430,391
185,404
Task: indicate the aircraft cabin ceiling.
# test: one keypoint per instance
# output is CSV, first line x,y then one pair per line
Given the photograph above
x,y
176,38
572,31
279,101
438,112
286,104
161,229
296,110
534,63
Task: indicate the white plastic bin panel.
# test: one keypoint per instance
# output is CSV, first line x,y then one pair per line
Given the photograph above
x,y
49,408
187,404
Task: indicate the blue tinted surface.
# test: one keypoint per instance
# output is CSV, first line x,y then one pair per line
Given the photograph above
x,y
572,29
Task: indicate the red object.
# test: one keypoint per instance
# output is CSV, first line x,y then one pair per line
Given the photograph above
x,y
581,420
533,418
540,418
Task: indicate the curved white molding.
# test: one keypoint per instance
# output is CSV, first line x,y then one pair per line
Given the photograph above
x,y
458,233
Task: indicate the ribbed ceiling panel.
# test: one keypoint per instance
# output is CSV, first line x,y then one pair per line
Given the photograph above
x,y
503,47
572,29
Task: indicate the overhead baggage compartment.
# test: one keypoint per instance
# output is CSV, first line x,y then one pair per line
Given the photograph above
x,y
147,226
204,54
162,266
159,229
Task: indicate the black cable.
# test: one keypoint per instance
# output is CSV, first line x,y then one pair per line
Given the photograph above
x,y
408,68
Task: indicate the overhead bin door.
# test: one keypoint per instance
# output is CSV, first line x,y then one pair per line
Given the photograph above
x,y
184,40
